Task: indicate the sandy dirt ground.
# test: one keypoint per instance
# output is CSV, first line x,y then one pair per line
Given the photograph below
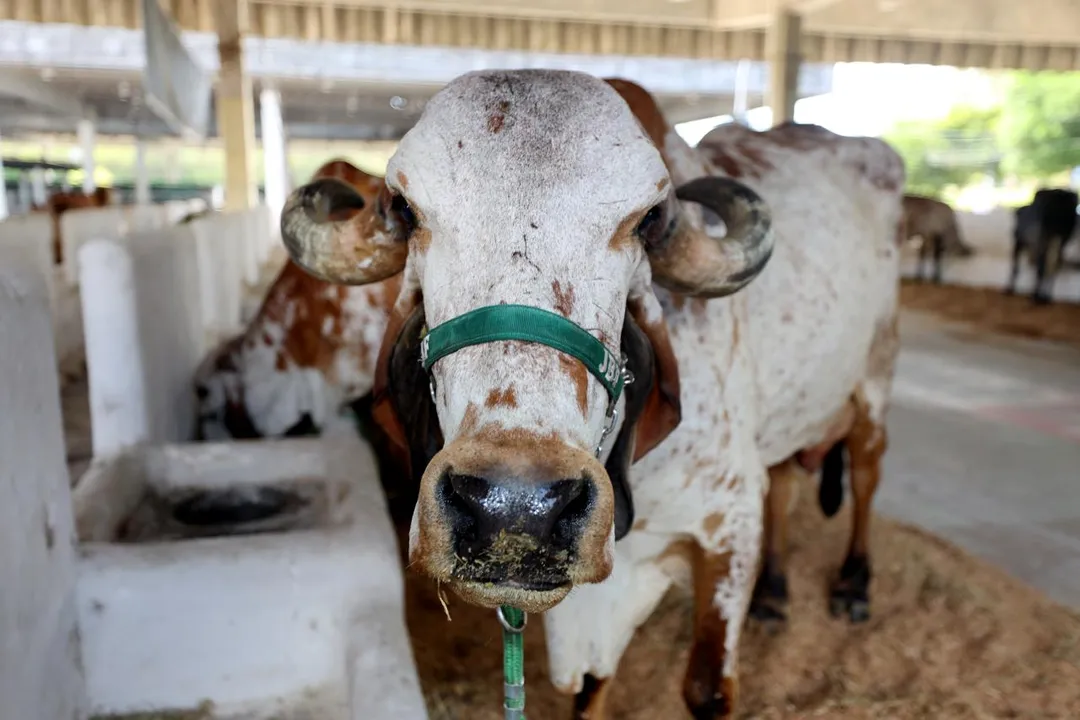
x,y
990,310
949,638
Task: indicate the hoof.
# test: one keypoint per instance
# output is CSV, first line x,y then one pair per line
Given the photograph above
x,y
845,603
767,614
770,598
718,704
850,594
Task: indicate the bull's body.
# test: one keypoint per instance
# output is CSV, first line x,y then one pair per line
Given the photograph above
x,y
1042,230
934,223
765,374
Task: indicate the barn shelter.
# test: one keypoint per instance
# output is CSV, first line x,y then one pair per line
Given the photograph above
x,y
157,296
363,70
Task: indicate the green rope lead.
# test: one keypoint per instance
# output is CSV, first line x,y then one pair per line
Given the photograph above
x,y
513,623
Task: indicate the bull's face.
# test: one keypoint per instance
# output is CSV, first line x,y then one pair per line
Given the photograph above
x,y
537,189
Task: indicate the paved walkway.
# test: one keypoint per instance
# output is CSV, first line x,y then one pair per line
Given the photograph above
x,y
985,450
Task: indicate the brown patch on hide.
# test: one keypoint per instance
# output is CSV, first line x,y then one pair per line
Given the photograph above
x,y
403,180
498,118
645,109
662,183
502,398
564,299
382,409
580,376
663,409
420,240
470,420
312,302
712,523
625,234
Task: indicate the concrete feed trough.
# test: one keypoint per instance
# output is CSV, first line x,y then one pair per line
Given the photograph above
x,y
260,579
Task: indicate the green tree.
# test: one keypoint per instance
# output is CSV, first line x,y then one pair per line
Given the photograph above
x,y
1040,124
948,152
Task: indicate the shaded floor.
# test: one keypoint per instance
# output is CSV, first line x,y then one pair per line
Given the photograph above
x,y
985,450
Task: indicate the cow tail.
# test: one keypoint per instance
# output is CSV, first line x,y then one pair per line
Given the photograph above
x,y
831,489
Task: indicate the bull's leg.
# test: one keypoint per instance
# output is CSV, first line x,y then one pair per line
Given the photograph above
x,y
866,446
924,253
723,584
709,693
1018,249
1045,268
591,702
939,254
770,592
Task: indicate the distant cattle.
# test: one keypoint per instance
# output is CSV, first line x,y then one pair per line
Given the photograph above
x,y
934,223
1042,231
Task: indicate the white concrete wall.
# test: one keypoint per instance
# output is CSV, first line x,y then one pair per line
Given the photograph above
x,y
989,233
40,666
232,247
32,233
144,338
119,411
171,334
304,622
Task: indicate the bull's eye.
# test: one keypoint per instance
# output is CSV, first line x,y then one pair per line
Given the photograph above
x,y
403,213
652,227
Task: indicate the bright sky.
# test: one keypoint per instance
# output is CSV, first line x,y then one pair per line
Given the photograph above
x,y
867,99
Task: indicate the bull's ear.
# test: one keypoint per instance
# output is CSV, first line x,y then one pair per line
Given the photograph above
x,y
639,360
663,407
402,404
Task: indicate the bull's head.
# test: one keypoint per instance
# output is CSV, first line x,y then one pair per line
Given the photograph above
x,y
531,214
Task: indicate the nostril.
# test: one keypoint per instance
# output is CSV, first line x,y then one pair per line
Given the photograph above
x,y
576,498
563,493
461,495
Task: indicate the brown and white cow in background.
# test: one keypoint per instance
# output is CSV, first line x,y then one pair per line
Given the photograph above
x,y
553,190
309,350
934,223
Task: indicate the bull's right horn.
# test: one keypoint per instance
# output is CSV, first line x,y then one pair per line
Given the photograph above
x,y
692,262
333,234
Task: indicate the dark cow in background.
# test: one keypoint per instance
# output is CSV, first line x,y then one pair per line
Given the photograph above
x,y
1042,231
934,223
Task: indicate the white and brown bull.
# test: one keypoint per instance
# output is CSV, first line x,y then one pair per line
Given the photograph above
x,y
558,239
310,349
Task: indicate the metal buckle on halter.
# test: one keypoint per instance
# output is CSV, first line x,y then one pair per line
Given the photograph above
x,y
613,410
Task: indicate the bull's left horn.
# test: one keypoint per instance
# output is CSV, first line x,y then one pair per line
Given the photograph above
x,y
694,263
327,242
